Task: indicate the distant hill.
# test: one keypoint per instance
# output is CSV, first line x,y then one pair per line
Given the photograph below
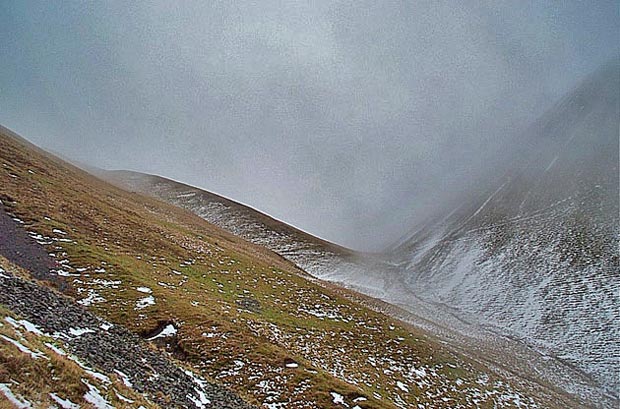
x,y
537,256
392,276
318,257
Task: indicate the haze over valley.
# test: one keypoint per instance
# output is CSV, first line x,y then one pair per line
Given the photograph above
x,y
284,205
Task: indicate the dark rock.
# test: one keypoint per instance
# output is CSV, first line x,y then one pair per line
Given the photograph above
x,y
148,370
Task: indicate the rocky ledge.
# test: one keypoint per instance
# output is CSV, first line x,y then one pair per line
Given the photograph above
x,y
112,349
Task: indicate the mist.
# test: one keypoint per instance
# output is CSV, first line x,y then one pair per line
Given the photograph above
x,y
350,120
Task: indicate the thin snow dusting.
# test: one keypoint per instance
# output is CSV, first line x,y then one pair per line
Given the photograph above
x,y
190,194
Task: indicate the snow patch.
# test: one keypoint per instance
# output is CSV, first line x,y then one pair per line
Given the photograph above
x,y
402,386
93,396
77,332
202,400
23,348
17,401
125,378
123,399
64,403
338,399
54,348
27,325
64,273
145,302
105,326
93,298
168,331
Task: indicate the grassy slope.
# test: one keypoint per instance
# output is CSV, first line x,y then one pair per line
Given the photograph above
x,y
144,182
242,311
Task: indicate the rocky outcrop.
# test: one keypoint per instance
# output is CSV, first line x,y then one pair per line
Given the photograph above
x,y
112,349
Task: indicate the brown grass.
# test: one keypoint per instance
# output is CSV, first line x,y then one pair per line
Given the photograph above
x,y
144,242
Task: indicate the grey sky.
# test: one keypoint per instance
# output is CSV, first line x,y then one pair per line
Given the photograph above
x,y
351,120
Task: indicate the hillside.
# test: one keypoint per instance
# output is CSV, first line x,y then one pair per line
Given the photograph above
x,y
215,319
529,266
317,257
371,275
536,256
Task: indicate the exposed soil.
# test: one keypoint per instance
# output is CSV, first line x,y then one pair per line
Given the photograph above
x,y
21,249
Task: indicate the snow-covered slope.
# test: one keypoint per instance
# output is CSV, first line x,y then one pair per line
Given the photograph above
x,y
536,256
373,276
317,257
531,261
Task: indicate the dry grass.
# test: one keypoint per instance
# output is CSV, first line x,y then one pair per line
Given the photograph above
x,y
33,378
202,278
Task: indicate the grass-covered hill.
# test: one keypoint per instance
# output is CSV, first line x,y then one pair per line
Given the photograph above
x,y
135,302
315,256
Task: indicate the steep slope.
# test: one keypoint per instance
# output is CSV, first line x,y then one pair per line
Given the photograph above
x,y
371,275
204,301
318,257
56,324
536,257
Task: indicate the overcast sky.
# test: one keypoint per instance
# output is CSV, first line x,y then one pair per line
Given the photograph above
x,y
349,119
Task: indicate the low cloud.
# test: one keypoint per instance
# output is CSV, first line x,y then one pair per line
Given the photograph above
x,y
351,120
